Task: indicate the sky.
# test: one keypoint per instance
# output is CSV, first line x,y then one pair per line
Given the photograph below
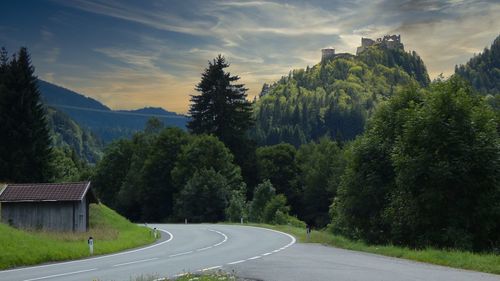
x,y
132,54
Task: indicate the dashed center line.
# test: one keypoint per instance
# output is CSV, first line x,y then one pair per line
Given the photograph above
x,y
180,254
133,262
203,249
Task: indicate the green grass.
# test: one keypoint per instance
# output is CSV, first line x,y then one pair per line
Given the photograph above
x,y
111,233
453,258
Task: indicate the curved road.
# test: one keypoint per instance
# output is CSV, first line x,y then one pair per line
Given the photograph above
x,y
254,253
184,248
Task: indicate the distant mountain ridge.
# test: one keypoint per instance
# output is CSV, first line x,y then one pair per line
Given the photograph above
x,y
107,124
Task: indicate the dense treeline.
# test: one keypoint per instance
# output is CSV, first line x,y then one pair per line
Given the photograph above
x,y
38,144
425,173
422,171
333,98
483,70
166,174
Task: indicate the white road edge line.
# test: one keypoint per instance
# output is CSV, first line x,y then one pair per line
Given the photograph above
x,y
254,258
96,258
62,274
132,262
266,254
211,268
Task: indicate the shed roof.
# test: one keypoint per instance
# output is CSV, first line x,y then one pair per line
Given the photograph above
x,y
43,192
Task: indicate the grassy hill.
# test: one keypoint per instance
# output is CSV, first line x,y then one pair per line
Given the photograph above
x,y
111,233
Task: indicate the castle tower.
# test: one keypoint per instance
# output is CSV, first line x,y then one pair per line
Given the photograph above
x,y
327,54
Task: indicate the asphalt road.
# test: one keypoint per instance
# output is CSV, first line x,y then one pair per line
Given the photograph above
x,y
184,248
253,253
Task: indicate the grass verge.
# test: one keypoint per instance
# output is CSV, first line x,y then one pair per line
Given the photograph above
x,y
209,276
453,258
111,233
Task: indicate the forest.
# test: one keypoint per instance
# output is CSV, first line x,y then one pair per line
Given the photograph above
x,y
366,147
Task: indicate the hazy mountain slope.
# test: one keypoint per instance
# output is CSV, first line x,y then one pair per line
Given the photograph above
x,y
106,123
67,133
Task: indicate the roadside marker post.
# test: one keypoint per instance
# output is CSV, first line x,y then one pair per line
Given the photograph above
x,y
241,220
185,221
91,245
308,232
155,232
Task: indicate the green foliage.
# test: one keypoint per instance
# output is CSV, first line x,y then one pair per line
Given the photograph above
x,y
276,210
425,173
206,152
157,192
237,208
262,194
25,152
111,232
67,166
221,107
333,98
483,70
320,166
277,164
66,133
204,197
145,177
112,170
134,176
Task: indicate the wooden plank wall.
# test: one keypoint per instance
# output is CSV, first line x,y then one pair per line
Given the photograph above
x,y
54,216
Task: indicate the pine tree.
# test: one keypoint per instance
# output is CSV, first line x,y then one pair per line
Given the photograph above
x,y
25,152
221,108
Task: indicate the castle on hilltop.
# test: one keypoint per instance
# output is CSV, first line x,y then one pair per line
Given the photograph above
x,y
388,41
329,53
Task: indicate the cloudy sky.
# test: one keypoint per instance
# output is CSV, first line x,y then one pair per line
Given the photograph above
x,y
130,54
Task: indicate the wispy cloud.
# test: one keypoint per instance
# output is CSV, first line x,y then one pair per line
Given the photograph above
x,y
263,40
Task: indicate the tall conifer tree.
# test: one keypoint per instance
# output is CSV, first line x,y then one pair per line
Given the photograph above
x,y
221,108
25,152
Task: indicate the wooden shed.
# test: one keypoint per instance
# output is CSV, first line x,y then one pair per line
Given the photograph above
x,y
47,206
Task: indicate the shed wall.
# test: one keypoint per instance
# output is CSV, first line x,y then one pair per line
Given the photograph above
x,y
54,216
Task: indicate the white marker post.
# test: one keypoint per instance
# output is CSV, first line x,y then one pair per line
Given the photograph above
x,y
185,221
91,245
155,233
241,220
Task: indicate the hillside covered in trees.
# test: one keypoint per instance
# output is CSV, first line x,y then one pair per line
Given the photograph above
x,y
67,134
483,70
335,97
105,123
